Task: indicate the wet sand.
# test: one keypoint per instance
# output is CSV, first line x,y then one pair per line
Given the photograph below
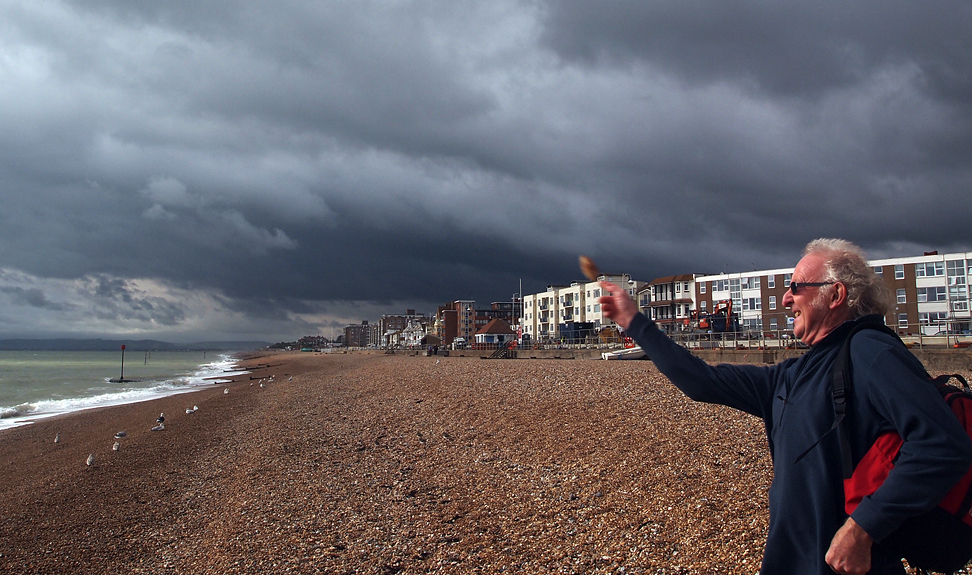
x,y
372,463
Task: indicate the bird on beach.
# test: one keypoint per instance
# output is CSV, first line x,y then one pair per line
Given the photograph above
x,y
90,461
57,438
159,427
121,434
225,390
261,385
116,446
193,410
161,418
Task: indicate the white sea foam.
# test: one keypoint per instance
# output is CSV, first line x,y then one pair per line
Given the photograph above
x,y
205,375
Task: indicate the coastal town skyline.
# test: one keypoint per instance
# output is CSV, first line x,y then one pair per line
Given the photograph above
x,y
263,170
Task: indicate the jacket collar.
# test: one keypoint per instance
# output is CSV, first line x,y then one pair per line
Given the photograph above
x,y
838,334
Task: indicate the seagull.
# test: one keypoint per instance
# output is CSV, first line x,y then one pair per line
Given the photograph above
x,y
116,446
121,434
57,438
191,411
159,427
261,385
291,378
90,461
161,418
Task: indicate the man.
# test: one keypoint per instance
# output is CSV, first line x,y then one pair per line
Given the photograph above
x,y
832,288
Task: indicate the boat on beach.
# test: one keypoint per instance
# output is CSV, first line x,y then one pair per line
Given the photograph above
x,y
628,353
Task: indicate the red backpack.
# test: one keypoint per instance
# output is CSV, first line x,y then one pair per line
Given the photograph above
x,y
938,540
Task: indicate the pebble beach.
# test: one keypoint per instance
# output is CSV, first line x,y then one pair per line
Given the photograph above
x,y
384,464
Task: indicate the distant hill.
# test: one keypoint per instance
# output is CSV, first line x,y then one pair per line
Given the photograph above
x,y
65,344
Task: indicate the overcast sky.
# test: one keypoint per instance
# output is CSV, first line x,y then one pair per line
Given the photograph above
x,y
199,170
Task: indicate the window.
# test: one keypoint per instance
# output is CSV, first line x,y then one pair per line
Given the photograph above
x,y
774,325
597,308
685,286
678,287
771,281
720,285
751,303
772,302
879,270
702,287
786,280
927,270
902,319
931,294
901,296
703,305
933,317
899,272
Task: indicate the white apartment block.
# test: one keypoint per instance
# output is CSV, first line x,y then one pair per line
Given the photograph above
x,y
544,312
931,294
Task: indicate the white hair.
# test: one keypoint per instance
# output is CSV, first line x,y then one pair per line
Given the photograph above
x,y
844,262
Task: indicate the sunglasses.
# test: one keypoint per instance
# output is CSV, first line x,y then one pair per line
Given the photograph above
x,y
795,287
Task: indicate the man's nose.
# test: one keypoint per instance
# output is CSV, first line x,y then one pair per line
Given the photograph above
x,y
787,299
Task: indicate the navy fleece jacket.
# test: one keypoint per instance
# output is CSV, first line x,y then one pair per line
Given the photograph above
x,y
890,392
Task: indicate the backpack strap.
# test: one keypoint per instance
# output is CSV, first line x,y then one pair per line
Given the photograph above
x,y
841,379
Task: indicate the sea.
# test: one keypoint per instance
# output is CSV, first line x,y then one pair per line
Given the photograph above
x,y
40,384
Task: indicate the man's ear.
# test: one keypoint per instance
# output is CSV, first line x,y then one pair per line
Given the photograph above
x,y
838,296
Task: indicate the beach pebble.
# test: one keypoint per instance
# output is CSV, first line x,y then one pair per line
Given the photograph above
x,y
116,446
91,459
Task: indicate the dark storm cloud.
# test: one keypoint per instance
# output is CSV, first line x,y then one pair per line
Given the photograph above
x,y
799,49
262,166
32,297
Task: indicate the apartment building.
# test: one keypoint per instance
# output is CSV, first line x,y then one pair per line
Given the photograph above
x,y
757,297
931,294
669,301
361,335
460,318
391,326
546,313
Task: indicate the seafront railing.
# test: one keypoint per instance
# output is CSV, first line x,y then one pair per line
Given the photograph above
x,y
916,335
